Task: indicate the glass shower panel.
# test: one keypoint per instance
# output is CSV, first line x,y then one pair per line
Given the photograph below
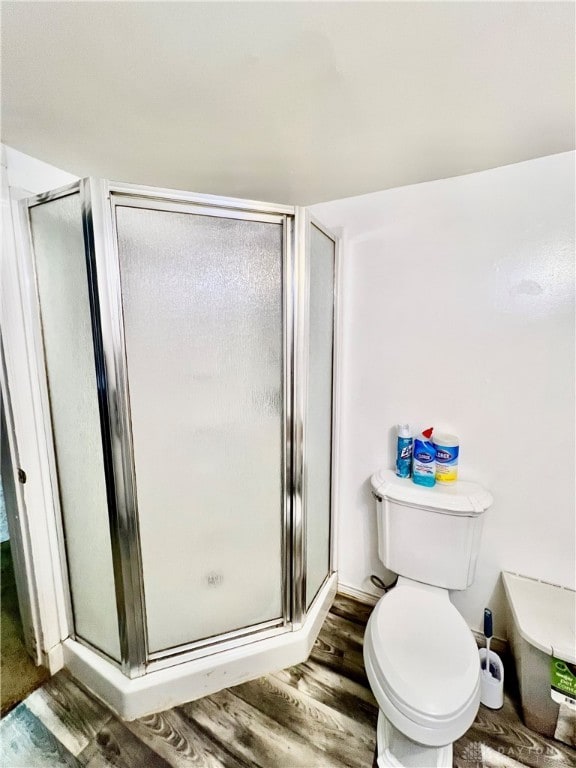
x,y
203,322
62,285
318,441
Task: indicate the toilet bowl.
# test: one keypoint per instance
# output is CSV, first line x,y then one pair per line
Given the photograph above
x,y
422,664
420,656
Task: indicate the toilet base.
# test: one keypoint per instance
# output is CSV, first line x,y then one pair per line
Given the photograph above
x,y
395,750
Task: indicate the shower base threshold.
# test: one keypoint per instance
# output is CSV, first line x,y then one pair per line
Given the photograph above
x,y
169,687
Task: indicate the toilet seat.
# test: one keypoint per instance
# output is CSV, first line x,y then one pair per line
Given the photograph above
x,y
422,663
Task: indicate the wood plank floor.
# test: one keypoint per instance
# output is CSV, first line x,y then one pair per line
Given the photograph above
x,y
320,714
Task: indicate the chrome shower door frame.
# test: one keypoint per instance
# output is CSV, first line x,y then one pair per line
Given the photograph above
x,y
101,198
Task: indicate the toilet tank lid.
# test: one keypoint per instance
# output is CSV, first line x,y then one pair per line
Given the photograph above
x,y
459,498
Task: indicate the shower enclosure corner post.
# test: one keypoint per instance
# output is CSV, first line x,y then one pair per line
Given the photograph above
x,y
299,406
336,402
113,399
289,293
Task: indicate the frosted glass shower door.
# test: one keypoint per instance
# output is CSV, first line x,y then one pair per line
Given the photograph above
x,y
62,285
318,441
202,297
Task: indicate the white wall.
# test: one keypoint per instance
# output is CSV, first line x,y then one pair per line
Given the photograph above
x,y
31,175
459,313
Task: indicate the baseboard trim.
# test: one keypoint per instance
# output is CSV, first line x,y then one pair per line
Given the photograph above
x,y
497,644
368,598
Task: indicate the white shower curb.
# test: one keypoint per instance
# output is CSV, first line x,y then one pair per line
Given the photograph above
x,y
166,688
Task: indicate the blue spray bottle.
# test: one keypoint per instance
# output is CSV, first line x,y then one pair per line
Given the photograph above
x,y
404,451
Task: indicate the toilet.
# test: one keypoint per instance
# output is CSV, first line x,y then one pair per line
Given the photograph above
x,y
420,655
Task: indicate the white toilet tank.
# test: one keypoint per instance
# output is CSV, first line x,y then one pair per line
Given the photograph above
x,y
430,535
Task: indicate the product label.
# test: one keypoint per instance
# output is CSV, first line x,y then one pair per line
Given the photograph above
x,y
424,452
404,458
447,455
447,463
406,452
563,681
423,469
446,474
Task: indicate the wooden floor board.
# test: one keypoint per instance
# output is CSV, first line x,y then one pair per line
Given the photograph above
x,y
333,653
503,732
342,736
350,633
255,737
115,746
351,609
319,714
177,741
68,712
334,690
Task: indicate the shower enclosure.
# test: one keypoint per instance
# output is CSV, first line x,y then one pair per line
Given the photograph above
x,y
188,345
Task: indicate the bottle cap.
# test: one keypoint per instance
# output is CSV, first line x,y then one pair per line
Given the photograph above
x,y
404,430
